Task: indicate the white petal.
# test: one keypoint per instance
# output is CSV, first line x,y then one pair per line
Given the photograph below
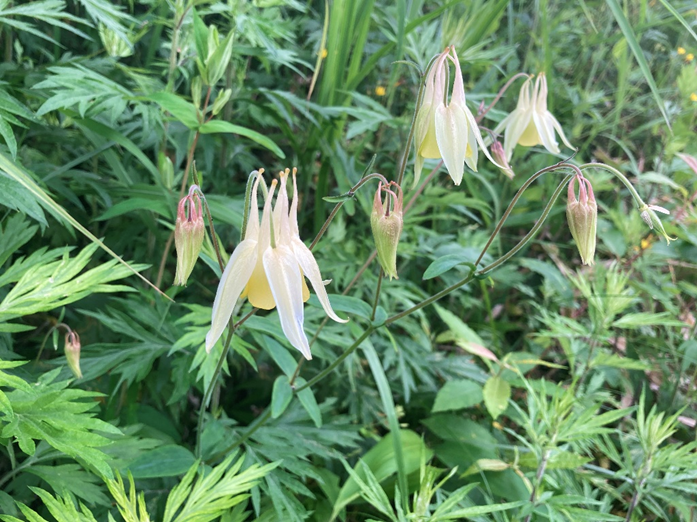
x,y
252,231
451,130
546,131
280,212
310,268
559,130
418,167
471,160
474,127
237,273
285,281
519,122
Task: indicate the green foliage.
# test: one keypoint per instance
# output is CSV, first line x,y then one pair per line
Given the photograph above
x,y
537,391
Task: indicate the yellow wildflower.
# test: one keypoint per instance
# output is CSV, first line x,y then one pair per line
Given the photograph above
x,y
324,53
380,90
690,57
693,96
681,50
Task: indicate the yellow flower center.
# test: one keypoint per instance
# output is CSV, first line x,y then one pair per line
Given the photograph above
x,y
530,136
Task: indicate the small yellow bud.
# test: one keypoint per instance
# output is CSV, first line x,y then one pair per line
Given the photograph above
x,y
324,53
681,50
72,352
693,96
690,57
380,91
387,227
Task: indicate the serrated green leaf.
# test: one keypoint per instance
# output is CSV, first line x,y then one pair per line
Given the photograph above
x,y
218,126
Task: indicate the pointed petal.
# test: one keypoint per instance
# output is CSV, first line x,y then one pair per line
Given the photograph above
x,y
293,214
473,156
310,268
285,280
458,96
237,273
520,119
559,130
546,131
474,127
451,127
280,211
418,167
252,230
266,223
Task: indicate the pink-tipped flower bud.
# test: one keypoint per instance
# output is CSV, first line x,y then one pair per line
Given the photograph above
x,y
582,215
499,155
387,226
189,232
72,352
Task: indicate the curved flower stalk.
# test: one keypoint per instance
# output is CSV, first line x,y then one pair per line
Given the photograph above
x,y
446,128
268,266
531,123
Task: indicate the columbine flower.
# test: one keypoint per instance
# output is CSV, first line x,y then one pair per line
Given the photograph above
x,y
268,266
387,227
582,215
648,214
189,232
531,123
445,129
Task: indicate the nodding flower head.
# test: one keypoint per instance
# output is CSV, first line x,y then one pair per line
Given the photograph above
x,y
582,215
386,222
445,127
531,123
269,267
189,232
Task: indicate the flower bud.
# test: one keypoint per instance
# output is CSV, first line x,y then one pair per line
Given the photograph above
x,y
387,227
499,155
220,101
188,235
582,215
72,352
648,214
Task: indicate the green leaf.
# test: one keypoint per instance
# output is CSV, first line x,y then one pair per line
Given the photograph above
x,y
496,394
217,126
166,461
444,264
178,107
345,303
633,43
16,197
133,204
307,399
381,461
457,395
281,396
641,319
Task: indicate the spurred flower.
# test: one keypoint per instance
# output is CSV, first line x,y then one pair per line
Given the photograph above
x,y
268,267
387,226
445,128
531,123
189,232
582,215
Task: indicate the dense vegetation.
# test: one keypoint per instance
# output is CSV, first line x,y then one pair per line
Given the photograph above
x,y
496,379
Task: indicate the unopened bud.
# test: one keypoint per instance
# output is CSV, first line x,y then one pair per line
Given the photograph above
x,y
648,214
387,227
582,215
72,352
189,232
499,156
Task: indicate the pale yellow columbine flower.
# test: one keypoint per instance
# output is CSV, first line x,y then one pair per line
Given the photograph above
x,y
531,123
446,128
268,266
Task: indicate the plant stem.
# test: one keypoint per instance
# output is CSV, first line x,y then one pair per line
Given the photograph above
x,y
412,128
377,294
639,201
214,238
538,479
481,115
219,366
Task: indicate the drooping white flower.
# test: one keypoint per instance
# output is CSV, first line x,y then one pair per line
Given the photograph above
x,y
531,123
268,266
445,127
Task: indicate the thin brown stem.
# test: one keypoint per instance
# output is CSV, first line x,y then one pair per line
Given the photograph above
x,y
481,115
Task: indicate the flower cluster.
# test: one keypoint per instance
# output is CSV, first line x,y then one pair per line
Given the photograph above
x,y
446,128
268,266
